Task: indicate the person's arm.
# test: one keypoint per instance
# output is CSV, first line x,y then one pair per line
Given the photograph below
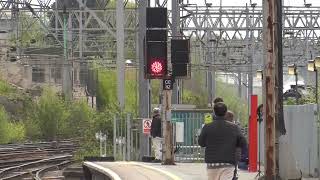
x,y
158,127
152,128
203,136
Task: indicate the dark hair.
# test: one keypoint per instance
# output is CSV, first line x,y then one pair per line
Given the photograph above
x,y
220,109
217,100
229,116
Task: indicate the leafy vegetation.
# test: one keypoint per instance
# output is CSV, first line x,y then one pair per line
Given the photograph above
x,y
235,103
10,131
5,89
4,128
33,34
308,97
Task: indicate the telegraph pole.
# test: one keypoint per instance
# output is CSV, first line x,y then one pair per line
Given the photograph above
x,y
273,65
168,158
168,94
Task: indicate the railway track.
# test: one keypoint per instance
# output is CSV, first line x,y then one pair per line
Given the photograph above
x,y
34,160
32,169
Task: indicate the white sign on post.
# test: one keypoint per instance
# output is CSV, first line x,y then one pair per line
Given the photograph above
x,y
146,126
180,132
167,84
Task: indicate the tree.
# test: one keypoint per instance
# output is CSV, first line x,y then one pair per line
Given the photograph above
x,y
50,115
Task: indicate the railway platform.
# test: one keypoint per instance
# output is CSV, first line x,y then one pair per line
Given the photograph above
x,y
143,171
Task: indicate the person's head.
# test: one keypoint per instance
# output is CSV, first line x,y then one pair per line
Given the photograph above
x,y
220,109
229,116
217,100
156,111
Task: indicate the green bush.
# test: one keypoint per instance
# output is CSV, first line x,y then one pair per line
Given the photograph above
x,y
5,88
16,132
50,115
80,117
107,89
10,132
235,103
32,129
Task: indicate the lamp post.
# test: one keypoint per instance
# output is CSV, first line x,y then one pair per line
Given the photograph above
x,y
259,74
292,70
312,67
316,63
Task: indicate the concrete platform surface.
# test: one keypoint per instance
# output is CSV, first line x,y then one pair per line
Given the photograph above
x,y
156,171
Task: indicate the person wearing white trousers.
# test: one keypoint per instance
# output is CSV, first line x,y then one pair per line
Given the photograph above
x,y
157,147
156,134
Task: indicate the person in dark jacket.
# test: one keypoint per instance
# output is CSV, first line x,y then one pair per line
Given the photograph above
x,y
156,123
156,134
242,153
221,139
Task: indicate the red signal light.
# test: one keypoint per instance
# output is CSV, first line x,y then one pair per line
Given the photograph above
x,y
156,67
156,60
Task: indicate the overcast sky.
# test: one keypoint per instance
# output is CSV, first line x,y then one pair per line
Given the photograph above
x,y
236,2
243,2
259,2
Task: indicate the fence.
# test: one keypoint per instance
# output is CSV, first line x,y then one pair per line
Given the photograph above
x,y
126,133
187,128
298,148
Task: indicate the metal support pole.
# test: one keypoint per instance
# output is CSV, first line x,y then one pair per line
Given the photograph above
x,y
66,74
143,83
81,32
114,137
211,72
176,94
105,146
239,84
120,54
251,53
296,88
245,81
318,123
70,58
249,58
317,98
128,138
65,53
56,19
209,75
100,141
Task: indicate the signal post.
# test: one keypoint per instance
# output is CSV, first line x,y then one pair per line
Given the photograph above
x,y
168,154
156,67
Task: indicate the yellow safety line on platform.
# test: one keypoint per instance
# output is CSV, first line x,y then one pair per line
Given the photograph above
x,y
172,176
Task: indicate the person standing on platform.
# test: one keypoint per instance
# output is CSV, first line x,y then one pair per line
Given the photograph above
x,y
241,153
156,135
